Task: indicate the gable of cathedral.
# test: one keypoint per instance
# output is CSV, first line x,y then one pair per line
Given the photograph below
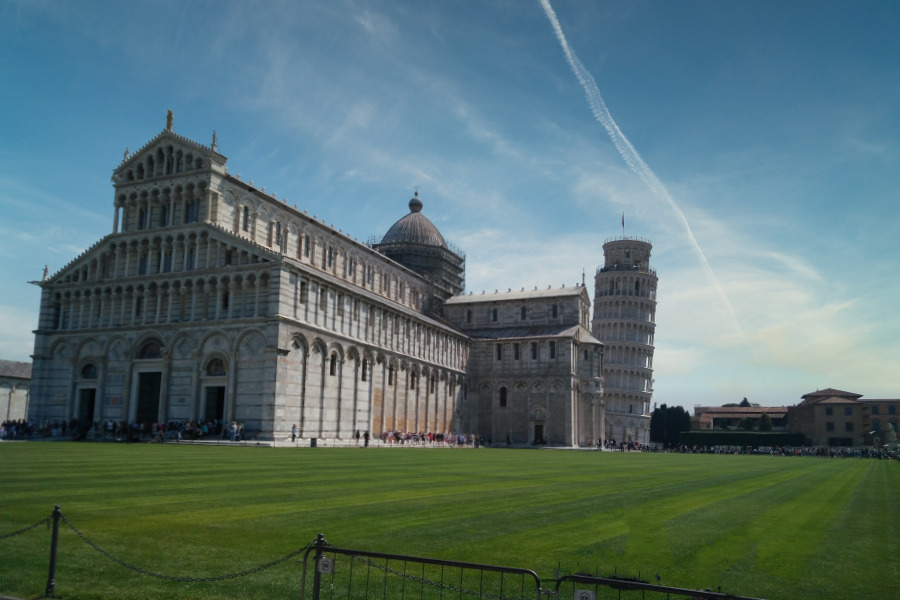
x,y
167,155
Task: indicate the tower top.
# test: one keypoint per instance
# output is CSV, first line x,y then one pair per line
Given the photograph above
x,y
627,254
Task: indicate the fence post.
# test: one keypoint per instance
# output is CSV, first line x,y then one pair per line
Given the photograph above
x,y
317,576
51,577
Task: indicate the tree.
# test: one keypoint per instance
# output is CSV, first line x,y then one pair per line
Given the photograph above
x,y
765,422
666,423
745,403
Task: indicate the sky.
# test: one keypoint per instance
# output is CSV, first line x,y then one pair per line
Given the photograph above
x,y
755,144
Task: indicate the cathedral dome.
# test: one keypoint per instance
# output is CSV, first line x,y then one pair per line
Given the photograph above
x,y
414,228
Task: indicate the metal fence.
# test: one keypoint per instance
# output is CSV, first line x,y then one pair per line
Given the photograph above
x,y
332,573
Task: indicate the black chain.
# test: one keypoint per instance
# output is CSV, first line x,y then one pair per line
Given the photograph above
x,y
21,531
142,571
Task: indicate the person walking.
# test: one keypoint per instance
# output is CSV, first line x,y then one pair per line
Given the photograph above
x,y
294,433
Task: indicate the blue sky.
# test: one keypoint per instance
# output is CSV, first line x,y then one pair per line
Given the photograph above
x,y
755,144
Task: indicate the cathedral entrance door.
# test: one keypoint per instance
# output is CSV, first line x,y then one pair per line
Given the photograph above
x,y
86,399
538,433
149,385
215,403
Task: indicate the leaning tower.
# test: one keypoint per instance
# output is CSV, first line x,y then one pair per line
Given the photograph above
x,y
625,321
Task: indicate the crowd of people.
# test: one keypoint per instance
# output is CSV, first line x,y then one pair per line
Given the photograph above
x,y
429,438
16,430
121,431
817,451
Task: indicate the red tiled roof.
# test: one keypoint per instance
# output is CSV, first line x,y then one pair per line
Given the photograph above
x,y
740,410
15,370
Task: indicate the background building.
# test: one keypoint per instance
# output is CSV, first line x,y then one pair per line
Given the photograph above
x,y
710,418
625,322
15,384
825,418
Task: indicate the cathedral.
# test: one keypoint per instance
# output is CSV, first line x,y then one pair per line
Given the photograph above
x,y
214,300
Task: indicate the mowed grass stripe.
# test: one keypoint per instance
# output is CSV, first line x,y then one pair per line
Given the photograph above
x,y
764,532
866,521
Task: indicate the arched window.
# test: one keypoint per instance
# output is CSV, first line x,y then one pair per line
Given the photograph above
x,y
332,369
365,370
503,397
89,371
246,225
215,367
190,211
150,350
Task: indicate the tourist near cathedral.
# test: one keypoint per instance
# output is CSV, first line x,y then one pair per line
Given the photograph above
x,y
212,300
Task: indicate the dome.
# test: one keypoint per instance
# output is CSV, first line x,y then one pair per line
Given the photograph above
x,y
414,228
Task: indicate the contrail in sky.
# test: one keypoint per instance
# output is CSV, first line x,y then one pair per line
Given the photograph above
x,y
628,153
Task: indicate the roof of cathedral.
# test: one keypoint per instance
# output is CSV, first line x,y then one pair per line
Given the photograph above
x,y
414,228
519,295
566,331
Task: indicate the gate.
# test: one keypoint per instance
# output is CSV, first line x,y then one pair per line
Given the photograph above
x,y
339,573
585,587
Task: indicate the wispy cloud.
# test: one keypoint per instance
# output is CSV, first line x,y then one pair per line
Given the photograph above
x,y
630,155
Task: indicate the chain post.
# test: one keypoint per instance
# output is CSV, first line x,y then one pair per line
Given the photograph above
x,y
51,576
317,576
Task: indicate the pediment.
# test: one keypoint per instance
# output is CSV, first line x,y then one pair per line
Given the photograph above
x,y
77,269
167,155
84,267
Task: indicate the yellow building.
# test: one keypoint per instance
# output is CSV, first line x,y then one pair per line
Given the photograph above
x,y
833,417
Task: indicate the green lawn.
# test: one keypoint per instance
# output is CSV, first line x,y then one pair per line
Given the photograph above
x,y
771,527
